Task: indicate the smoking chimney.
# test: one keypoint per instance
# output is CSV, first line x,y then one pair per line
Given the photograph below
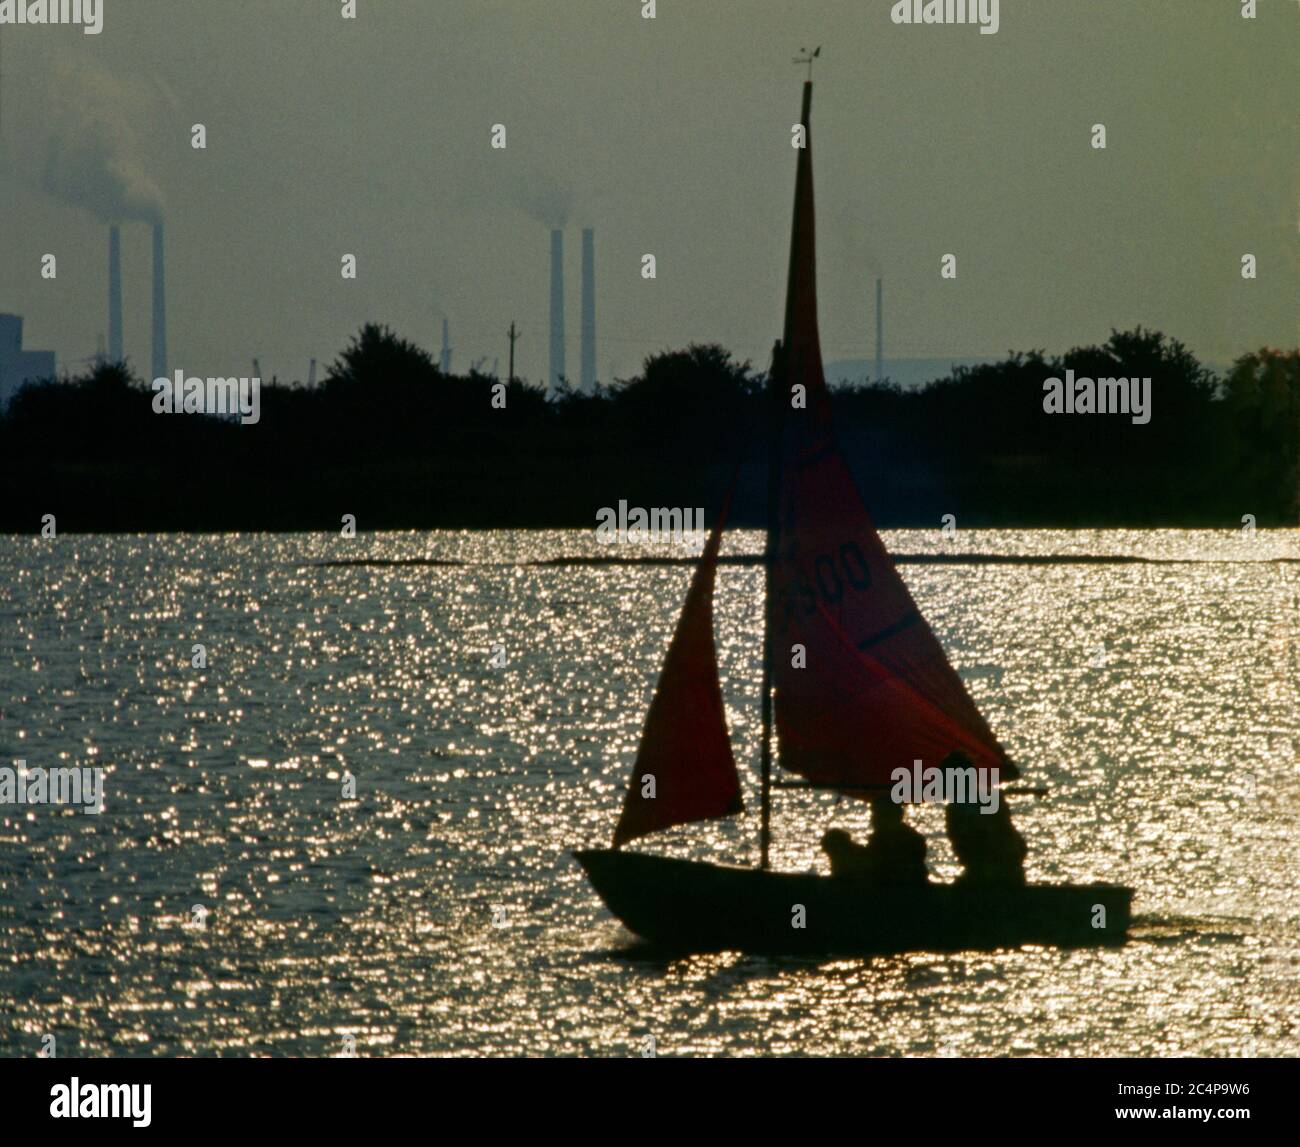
x,y
557,309
445,360
880,331
114,294
159,306
588,310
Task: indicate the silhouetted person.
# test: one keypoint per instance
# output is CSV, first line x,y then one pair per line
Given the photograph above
x,y
990,849
894,855
846,857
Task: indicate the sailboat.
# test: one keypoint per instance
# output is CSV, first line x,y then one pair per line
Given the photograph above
x,y
855,685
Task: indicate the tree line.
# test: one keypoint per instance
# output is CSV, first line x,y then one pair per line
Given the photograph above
x,y
388,437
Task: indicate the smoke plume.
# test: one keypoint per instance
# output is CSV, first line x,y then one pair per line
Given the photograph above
x,y
93,158
542,198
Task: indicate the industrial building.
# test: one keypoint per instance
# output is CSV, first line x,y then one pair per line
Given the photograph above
x,y
18,366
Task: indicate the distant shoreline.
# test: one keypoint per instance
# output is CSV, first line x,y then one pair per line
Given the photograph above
x,y
753,560
955,557
392,443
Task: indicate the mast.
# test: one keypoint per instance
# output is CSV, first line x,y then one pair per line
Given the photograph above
x,y
775,385
778,396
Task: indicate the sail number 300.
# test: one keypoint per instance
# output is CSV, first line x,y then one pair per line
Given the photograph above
x,y
832,573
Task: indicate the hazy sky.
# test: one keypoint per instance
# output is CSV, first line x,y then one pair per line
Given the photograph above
x,y
670,136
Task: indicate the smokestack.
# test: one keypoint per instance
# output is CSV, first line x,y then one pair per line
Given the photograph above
x,y
115,294
557,308
588,310
159,306
880,330
445,360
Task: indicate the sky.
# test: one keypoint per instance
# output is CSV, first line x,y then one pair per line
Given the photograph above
x,y
670,136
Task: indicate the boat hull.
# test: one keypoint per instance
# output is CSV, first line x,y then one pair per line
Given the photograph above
x,y
691,906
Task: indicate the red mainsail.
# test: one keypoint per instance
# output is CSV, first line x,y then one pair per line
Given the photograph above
x,y
875,691
685,751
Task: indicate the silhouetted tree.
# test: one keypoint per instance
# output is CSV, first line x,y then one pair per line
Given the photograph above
x,y
1262,443
684,396
378,357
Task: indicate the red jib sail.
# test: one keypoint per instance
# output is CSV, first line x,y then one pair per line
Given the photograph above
x,y
685,751
876,691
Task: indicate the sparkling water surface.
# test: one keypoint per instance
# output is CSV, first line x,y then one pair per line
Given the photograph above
x,y
439,912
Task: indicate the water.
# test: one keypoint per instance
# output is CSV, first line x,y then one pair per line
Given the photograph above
x,y
438,911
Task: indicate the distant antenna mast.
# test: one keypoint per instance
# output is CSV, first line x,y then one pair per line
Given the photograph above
x,y
311,373
2,85
257,369
807,57
514,335
880,331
